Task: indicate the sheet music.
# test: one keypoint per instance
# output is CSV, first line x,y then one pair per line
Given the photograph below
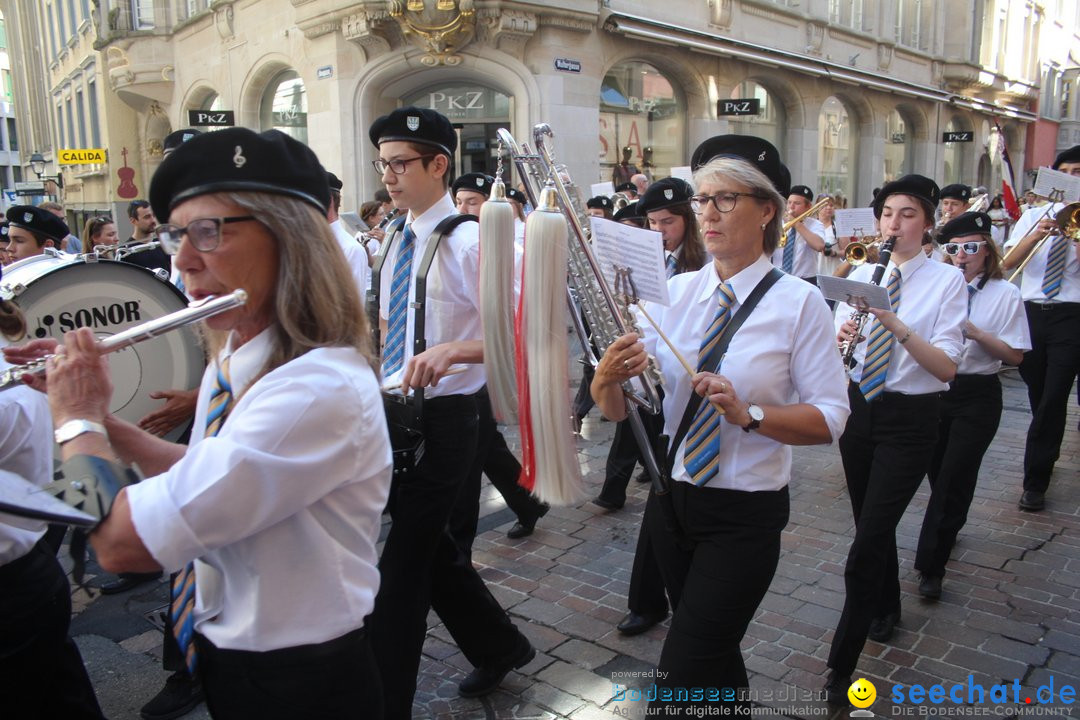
x,y
859,222
683,172
607,189
640,250
1050,180
844,290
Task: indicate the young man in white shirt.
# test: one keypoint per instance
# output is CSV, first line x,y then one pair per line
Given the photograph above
x,y
804,241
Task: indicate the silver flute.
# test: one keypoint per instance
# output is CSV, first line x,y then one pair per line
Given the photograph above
x,y
194,312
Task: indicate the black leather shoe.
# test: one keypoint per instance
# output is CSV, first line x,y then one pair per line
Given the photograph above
x,y
1032,501
930,586
524,528
486,678
881,629
607,504
643,477
836,688
634,624
179,697
127,581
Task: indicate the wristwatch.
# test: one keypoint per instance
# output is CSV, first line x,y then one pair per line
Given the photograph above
x,y
756,416
74,428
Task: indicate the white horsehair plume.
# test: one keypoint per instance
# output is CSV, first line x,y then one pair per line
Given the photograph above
x,y
549,465
497,301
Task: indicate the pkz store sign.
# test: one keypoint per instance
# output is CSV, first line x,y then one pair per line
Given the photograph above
x,y
965,136
465,102
739,106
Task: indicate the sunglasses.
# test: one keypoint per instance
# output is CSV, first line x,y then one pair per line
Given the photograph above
x,y
970,247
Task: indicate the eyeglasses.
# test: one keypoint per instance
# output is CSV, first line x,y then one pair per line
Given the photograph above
x,y
723,202
971,247
99,222
398,167
204,234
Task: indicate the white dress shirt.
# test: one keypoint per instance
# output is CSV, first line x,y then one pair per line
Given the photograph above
x,y
806,257
933,303
282,507
998,310
784,353
1032,279
452,305
26,449
355,256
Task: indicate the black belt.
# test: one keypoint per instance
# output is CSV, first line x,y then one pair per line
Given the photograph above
x,y
1052,305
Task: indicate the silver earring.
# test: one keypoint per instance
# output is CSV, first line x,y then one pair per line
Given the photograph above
x,y
763,225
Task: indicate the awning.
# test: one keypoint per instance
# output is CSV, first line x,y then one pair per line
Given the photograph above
x,y
669,34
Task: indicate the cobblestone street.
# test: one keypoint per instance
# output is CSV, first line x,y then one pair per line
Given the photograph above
x,y
1010,612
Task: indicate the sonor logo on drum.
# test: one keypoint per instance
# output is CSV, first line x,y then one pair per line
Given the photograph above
x,y
102,316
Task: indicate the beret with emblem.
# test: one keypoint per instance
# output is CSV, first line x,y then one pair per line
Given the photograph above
x,y
600,202
36,220
802,191
239,159
760,153
630,212
476,182
665,193
1072,155
418,125
626,187
177,138
516,195
334,181
956,191
918,186
969,223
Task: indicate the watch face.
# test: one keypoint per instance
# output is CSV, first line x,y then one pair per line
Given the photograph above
x,y
756,413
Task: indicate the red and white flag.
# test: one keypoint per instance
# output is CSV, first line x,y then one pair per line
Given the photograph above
x,y
1008,189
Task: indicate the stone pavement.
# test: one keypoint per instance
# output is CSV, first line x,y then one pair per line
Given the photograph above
x,y
1010,613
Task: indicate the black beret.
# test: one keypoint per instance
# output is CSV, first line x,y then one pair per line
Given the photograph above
x,y
802,191
956,191
516,195
476,182
628,186
334,181
413,124
177,138
917,186
34,219
238,159
600,202
630,212
1072,155
664,194
760,153
969,223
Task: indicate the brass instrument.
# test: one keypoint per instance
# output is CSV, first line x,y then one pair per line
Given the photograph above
x,y
847,348
979,203
792,223
196,311
858,253
1068,223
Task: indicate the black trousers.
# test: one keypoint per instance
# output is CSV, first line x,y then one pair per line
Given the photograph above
x,y
1049,370
42,676
970,413
886,449
646,595
494,459
422,567
716,585
334,679
624,455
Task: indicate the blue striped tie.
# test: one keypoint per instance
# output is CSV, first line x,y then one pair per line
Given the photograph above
x,y
701,458
182,603
394,349
789,252
879,347
671,265
971,296
1055,267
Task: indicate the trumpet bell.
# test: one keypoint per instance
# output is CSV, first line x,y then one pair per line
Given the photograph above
x,y
1068,221
857,254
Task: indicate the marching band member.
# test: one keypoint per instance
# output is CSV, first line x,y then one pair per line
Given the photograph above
x,y
422,566
780,383
954,202
31,230
996,332
804,242
273,512
887,445
356,258
470,191
1050,286
518,201
599,206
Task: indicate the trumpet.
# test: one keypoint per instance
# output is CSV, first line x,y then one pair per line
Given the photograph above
x,y
196,311
979,203
858,252
792,223
1068,225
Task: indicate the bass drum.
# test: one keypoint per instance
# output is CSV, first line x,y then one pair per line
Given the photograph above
x,y
65,292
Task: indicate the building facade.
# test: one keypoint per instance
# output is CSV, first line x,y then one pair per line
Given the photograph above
x,y
853,92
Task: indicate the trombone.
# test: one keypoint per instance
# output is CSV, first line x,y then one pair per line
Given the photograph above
x,y
1068,225
792,223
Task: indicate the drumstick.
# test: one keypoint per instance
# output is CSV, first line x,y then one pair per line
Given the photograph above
x,y
686,366
452,371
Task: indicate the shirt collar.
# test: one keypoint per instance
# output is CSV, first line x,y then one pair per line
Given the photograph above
x,y
743,282
247,360
911,266
425,223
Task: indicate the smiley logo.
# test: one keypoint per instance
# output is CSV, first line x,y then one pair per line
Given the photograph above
x,y
862,693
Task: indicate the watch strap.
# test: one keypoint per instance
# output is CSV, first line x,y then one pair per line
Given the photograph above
x,y
74,428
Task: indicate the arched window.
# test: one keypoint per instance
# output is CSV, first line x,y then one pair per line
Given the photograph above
x,y
284,106
641,110
898,147
769,124
957,154
836,150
